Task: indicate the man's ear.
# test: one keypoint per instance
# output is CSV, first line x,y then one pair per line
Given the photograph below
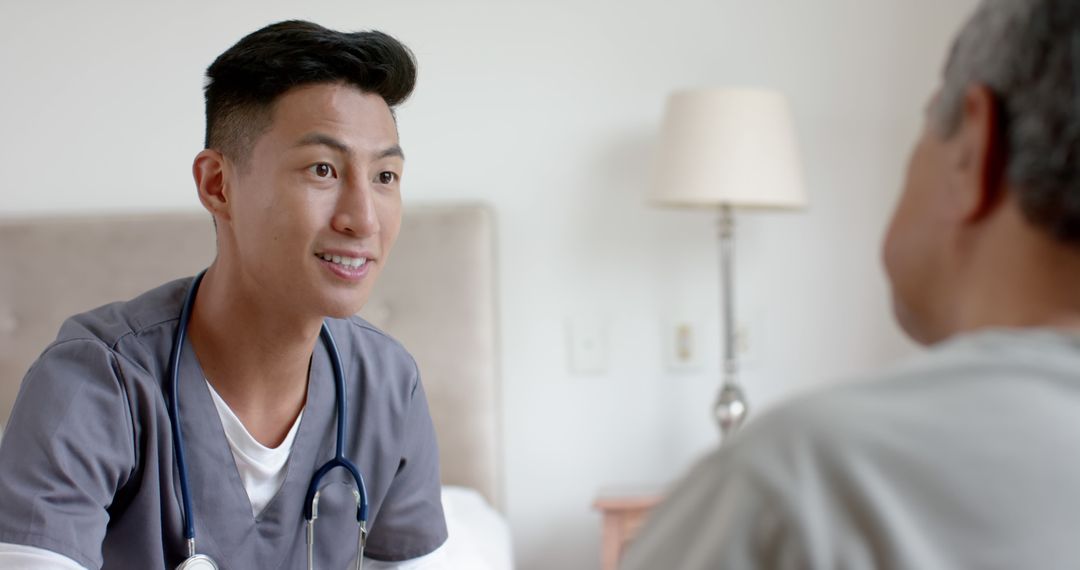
x,y
977,158
211,172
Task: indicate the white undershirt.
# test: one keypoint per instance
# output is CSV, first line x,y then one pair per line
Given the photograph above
x,y
262,470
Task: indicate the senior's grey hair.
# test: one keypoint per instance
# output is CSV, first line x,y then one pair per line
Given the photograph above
x,y
1027,52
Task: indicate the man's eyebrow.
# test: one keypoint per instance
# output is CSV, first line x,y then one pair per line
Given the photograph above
x,y
322,139
392,151
317,139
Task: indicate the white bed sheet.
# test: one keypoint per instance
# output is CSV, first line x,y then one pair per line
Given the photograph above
x,y
479,535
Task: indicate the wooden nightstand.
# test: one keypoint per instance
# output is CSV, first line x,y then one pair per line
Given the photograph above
x,y
624,514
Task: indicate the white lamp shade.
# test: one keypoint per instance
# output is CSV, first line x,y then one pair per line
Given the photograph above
x,y
728,147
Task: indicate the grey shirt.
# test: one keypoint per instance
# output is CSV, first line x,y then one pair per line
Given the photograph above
x,y
965,457
87,466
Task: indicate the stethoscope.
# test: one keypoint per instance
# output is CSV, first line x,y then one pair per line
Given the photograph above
x,y
311,501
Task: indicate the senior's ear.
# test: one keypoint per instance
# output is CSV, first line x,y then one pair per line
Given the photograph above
x,y
210,171
977,155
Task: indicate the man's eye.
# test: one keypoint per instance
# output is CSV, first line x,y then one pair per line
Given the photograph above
x,y
387,177
322,170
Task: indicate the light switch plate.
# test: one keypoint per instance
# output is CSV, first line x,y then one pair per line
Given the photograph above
x,y
587,338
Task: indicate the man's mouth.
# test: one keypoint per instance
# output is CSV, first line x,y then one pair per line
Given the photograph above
x,y
346,262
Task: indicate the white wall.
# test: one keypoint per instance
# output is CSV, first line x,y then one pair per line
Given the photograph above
x,y
546,109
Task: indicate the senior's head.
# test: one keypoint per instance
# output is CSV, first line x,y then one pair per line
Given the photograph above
x,y
998,163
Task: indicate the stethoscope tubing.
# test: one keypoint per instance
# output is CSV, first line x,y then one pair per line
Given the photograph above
x,y
174,408
339,459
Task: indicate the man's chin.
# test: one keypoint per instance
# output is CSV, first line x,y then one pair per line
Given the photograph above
x,y
343,312
343,308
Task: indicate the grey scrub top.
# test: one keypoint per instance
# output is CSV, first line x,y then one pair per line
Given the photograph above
x,y
86,464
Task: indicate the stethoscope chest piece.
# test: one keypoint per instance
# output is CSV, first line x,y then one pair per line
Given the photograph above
x,y
198,562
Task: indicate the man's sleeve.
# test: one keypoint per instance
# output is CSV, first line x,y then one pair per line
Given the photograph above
x,y
722,515
67,450
410,522
436,560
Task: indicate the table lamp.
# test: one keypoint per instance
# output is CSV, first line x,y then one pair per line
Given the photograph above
x,y
725,149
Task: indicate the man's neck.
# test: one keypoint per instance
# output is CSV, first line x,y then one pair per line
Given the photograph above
x,y
255,355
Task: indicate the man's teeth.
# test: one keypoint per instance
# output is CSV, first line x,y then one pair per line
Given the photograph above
x,y
346,261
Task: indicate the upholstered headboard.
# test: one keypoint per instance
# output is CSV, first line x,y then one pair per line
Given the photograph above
x,y
436,295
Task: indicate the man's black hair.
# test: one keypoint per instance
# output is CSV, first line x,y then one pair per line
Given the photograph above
x,y
244,82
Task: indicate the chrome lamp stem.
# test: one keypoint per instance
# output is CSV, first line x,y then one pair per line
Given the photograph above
x,y
730,408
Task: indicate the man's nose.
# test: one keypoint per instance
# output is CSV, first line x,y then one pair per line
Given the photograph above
x,y
356,214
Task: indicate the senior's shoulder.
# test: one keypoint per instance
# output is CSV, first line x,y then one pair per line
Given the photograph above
x,y
841,411
913,397
792,446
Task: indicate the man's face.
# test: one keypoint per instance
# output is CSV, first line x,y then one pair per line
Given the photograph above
x,y
914,254
316,208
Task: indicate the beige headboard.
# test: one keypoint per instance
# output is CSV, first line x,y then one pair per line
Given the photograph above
x,y
436,295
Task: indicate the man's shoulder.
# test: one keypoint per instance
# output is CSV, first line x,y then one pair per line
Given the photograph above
x,y
383,358
111,323
361,334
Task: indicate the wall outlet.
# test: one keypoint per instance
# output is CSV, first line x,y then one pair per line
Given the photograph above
x,y
683,345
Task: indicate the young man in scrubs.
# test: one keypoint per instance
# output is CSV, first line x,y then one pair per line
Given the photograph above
x,y
301,173
966,456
